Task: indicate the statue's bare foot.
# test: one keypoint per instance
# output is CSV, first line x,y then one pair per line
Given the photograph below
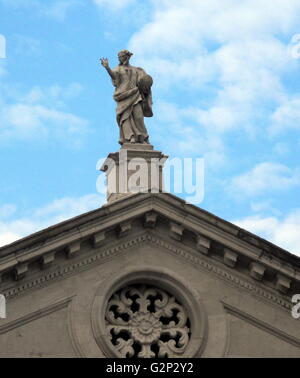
x,y
132,139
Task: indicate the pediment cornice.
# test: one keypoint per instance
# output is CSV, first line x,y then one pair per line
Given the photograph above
x,y
208,236
183,252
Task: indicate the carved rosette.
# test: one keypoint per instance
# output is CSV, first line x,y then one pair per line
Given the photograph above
x,y
147,322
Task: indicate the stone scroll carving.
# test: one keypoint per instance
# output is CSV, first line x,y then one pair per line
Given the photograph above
x,y
147,322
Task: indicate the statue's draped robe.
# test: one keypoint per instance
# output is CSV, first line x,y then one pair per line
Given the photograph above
x,y
132,106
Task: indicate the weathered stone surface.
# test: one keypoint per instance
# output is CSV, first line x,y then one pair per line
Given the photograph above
x,y
203,244
133,97
176,231
48,259
135,168
283,284
57,311
73,249
257,271
99,239
20,271
150,220
230,257
124,229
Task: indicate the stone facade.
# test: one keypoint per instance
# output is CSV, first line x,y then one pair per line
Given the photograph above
x,y
150,276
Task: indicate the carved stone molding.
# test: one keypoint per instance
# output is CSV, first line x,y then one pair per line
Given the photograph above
x,y
257,271
20,271
193,258
203,244
47,259
73,268
124,229
73,249
61,237
283,284
99,239
147,322
230,258
266,294
176,231
205,236
150,220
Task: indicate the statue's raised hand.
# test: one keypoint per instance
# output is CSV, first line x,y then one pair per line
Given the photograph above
x,y
104,62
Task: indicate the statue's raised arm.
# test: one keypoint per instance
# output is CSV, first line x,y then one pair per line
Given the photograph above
x,y
105,64
133,97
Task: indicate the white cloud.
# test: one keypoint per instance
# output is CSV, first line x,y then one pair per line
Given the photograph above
x,y
220,117
41,113
3,71
114,4
284,233
37,122
286,116
263,206
265,177
51,214
8,237
65,208
54,95
179,134
2,47
228,20
236,49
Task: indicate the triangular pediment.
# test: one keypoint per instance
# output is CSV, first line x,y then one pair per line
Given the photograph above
x,y
164,220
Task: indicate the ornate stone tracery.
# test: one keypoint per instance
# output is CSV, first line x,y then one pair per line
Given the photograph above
x,y
146,322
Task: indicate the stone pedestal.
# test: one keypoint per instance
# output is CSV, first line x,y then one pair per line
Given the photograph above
x,y
135,168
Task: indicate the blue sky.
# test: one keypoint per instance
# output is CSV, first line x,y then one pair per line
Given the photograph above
x,y
226,88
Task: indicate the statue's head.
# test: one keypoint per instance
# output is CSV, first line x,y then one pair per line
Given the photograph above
x,y
124,56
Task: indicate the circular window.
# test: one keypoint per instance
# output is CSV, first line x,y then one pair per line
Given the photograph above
x,y
148,314
147,322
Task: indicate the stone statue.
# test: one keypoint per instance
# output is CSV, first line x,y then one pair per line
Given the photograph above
x,y
133,97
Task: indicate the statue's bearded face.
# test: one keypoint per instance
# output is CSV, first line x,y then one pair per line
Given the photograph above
x,y
123,58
